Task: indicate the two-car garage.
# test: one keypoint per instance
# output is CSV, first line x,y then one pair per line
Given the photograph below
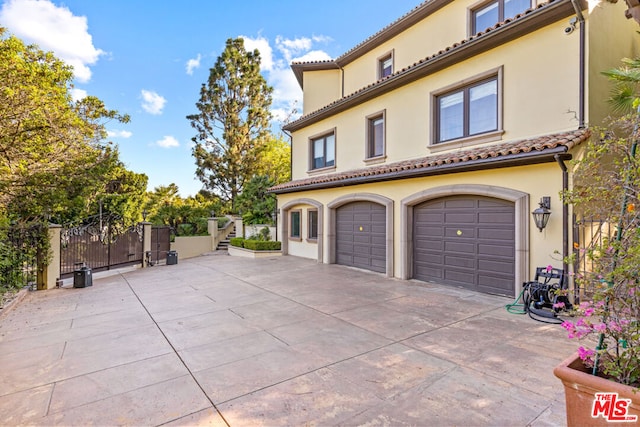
x,y
466,241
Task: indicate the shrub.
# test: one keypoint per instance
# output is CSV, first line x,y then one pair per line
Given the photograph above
x,y
259,245
237,242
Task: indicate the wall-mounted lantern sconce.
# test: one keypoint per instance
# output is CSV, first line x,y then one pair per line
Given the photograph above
x,y
541,214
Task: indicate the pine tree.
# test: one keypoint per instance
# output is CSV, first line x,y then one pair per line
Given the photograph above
x,y
233,122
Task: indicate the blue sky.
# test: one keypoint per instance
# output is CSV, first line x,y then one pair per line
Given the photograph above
x,y
149,58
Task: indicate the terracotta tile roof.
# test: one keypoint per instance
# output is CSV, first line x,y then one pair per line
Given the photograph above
x,y
399,74
524,150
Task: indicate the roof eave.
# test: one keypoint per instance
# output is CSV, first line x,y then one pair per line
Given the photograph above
x,y
532,21
512,160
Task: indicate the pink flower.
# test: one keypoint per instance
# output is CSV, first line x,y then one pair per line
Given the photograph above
x,y
600,327
585,353
549,268
589,311
558,305
614,326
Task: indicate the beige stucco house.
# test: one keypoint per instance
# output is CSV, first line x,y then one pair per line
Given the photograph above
x,y
422,151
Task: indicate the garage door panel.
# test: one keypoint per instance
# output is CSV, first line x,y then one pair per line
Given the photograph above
x,y
467,241
460,247
496,234
362,238
361,235
428,231
458,277
432,258
495,250
378,252
495,266
377,240
456,261
429,217
496,218
433,273
460,218
437,245
459,203
459,233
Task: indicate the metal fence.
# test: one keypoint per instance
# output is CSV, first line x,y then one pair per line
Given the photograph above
x,y
22,247
588,234
100,243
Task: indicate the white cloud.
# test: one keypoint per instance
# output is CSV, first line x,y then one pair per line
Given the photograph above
x,y
263,46
78,94
119,134
54,29
152,103
167,142
192,64
314,55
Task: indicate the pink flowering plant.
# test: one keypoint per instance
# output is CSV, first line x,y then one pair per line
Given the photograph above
x,y
607,317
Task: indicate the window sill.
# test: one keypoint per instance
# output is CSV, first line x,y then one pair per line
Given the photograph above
x,y
312,240
466,142
295,239
375,160
321,171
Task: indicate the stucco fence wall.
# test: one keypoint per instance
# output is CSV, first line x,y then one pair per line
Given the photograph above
x,y
185,246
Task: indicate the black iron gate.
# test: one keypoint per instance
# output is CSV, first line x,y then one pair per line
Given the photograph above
x,y
160,244
100,243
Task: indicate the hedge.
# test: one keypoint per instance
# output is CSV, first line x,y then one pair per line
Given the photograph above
x,y
258,245
237,242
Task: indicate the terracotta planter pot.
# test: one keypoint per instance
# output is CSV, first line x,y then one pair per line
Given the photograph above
x,y
580,388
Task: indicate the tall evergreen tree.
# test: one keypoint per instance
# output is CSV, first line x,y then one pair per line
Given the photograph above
x,y
232,126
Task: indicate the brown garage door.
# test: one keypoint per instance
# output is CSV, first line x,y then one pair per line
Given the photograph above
x,y
466,241
361,236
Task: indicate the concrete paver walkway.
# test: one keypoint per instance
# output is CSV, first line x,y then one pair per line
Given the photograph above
x,y
219,340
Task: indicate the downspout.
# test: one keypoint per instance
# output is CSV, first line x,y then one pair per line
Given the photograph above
x,y
582,65
342,82
560,158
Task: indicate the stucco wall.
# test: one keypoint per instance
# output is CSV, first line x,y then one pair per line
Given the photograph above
x,y
321,88
537,181
192,246
537,99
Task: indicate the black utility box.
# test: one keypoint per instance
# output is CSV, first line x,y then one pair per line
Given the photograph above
x,y
172,257
82,277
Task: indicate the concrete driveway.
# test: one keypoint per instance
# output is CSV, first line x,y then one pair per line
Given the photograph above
x,y
219,340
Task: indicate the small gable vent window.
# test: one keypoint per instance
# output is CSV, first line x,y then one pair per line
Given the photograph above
x,y
385,66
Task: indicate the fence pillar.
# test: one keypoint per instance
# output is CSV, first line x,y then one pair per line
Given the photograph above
x,y
146,243
49,272
212,229
239,228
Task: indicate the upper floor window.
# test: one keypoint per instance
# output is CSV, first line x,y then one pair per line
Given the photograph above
x,y
496,11
467,111
323,151
375,135
385,66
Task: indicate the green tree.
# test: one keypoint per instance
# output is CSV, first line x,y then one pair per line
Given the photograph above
x,y
275,161
624,95
255,203
232,126
53,157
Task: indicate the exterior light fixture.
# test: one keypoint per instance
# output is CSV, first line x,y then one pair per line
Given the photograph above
x,y
541,214
212,214
144,215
